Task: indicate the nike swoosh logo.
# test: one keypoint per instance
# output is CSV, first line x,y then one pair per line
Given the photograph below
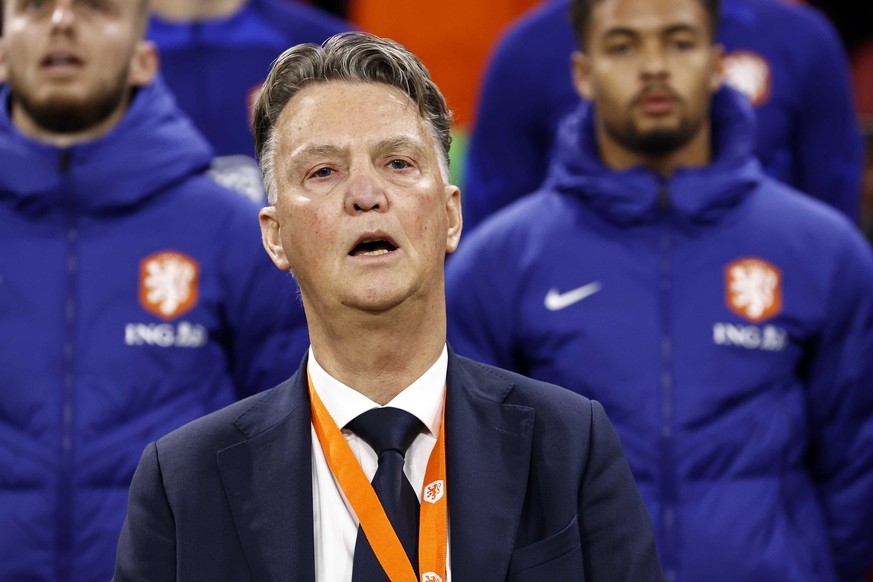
x,y
556,301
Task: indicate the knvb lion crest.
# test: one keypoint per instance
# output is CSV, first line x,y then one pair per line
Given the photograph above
x,y
434,492
168,284
749,73
753,289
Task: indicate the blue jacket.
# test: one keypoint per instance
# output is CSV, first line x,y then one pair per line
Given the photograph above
x,y
787,55
216,67
726,324
134,296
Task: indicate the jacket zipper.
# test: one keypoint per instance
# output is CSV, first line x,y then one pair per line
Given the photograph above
x,y
64,514
667,481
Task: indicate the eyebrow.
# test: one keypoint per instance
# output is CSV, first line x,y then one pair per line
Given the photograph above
x,y
317,150
398,143
672,29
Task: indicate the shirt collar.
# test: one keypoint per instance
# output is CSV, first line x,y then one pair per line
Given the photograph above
x,y
423,398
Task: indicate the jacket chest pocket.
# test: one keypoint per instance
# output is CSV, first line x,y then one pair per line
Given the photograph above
x,y
558,557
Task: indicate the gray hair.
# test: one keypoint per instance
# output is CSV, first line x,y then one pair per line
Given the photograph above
x,y
350,57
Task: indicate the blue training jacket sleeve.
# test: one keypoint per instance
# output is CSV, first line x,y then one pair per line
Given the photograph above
x,y
269,333
841,414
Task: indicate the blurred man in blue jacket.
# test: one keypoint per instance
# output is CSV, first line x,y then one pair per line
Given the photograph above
x,y
785,58
134,294
724,320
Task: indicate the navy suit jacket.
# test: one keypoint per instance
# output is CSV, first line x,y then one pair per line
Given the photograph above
x,y
537,484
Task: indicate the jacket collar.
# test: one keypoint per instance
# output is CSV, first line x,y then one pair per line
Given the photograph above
x,y
696,195
153,147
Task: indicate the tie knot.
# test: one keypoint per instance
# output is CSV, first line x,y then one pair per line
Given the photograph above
x,y
386,429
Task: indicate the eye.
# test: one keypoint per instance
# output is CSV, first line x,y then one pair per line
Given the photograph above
x,y
398,164
33,5
96,6
682,42
619,48
682,45
323,172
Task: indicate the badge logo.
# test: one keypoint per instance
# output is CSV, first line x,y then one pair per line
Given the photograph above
x,y
753,289
431,577
556,301
168,284
434,492
749,73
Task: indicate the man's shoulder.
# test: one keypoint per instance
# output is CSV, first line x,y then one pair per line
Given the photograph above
x,y
552,209
782,207
520,390
216,205
227,426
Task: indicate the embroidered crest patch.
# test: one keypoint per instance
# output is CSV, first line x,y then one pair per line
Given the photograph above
x,y
168,284
753,289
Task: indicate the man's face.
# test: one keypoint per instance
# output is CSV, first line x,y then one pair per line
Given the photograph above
x,y
71,63
363,217
651,68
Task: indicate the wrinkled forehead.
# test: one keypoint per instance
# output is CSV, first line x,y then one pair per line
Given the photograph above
x,y
341,113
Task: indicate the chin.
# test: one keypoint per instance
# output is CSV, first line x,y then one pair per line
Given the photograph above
x,y
377,298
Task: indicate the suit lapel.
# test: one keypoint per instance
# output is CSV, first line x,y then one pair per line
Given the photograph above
x,y
268,482
488,446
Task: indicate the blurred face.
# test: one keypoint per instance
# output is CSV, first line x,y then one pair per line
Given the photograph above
x,y
363,217
651,68
71,63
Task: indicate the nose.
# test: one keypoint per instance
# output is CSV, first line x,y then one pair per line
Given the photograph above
x,y
365,193
62,15
654,62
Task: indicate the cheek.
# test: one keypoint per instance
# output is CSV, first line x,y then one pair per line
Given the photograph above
x,y
305,236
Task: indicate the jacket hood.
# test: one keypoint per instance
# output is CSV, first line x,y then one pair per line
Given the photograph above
x,y
153,147
696,194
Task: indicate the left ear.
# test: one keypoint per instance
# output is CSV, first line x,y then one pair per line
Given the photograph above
x,y
717,77
144,65
455,218
580,69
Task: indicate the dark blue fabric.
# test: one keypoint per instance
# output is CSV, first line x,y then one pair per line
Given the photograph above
x,y
389,431
536,482
216,67
807,133
88,374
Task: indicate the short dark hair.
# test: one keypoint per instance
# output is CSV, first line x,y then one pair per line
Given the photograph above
x,y
356,57
580,15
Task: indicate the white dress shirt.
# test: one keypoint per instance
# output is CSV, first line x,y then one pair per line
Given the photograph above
x,y
334,520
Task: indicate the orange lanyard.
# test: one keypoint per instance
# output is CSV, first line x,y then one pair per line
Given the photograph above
x,y
433,529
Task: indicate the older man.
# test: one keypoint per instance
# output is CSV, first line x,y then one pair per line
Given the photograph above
x,y
517,480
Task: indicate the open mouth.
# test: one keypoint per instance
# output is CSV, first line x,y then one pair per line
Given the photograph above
x,y
61,60
372,248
